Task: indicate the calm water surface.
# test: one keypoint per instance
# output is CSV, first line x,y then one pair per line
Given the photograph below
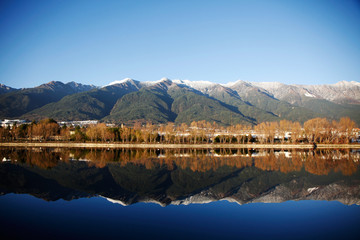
x,y
179,194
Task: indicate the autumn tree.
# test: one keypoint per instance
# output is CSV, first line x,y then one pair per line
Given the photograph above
x,y
21,131
260,130
283,128
125,134
65,133
45,129
296,132
346,126
184,128
79,134
104,132
4,134
239,133
315,129
169,131
92,133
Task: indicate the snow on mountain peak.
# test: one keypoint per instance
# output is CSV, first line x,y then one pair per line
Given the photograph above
x,y
4,86
230,84
195,84
346,84
331,92
119,81
355,83
307,94
268,85
164,79
151,83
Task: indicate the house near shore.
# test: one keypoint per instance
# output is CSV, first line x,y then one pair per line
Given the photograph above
x,y
78,123
12,122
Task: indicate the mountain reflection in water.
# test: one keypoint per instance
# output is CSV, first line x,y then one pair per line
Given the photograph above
x,y
182,176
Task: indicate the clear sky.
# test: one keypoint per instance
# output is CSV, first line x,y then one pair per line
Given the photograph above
x,y
97,42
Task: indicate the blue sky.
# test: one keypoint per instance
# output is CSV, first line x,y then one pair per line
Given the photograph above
x,y
303,42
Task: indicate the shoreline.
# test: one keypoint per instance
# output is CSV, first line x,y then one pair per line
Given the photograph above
x,y
174,146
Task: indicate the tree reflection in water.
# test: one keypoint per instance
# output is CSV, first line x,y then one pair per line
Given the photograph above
x,y
182,176
319,162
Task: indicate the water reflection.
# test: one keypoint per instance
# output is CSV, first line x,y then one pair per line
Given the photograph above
x,y
319,162
182,176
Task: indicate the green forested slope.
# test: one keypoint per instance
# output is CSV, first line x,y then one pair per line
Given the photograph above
x,y
93,104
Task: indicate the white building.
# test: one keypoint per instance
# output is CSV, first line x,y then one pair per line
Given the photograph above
x,y
79,123
10,123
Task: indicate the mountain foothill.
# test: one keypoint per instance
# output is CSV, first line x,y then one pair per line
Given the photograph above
x,y
182,101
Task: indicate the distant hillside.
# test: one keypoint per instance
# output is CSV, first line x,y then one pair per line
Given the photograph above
x,y
179,101
264,101
167,101
332,101
190,106
144,105
18,102
93,104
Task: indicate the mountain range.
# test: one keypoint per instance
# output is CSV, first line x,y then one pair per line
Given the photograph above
x,y
179,101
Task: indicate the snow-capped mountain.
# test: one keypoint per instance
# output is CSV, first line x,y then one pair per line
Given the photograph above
x,y
203,86
165,100
68,88
117,82
269,101
341,92
5,89
78,87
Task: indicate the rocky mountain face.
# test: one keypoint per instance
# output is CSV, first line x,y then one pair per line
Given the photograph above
x,y
78,87
332,101
341,92
68,88
180,101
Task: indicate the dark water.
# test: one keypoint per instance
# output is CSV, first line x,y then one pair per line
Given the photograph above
x,y
179,194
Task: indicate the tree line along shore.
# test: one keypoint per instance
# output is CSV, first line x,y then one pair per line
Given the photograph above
x,y
313,131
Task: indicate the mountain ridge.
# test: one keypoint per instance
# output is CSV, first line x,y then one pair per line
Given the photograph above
x,y
21,101
183,101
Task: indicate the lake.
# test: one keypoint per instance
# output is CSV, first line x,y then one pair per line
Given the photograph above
x,y
179,193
